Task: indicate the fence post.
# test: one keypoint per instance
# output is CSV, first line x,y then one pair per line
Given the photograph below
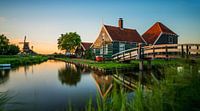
x,y
153,52
197,50
187,51
123,56
166,52
182,51
130,55
141,65
139,51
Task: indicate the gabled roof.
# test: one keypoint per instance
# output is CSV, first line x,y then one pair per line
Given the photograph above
x,y
86,45
123,34
153,33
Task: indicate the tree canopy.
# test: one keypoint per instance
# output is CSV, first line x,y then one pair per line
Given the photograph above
x,y
6,48
69,41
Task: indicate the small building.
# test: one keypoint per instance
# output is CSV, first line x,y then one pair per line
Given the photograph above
x,y
80,51
160,34
112,39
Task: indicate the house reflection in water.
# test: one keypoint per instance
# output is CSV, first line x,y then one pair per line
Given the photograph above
x,y
104,83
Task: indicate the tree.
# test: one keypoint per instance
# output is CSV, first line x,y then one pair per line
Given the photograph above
x,y
69,75
13,49
69,41
6,48
89,54
4,42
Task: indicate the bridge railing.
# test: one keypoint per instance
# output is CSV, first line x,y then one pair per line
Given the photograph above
x,y
161,51
172,50
126,54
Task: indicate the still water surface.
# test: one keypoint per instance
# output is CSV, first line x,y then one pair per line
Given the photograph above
x,y
51,86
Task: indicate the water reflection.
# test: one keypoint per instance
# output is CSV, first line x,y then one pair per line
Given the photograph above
x,y
104,83
69,75
4,75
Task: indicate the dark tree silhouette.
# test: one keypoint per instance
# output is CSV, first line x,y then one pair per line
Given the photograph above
x,y
69,75
4,75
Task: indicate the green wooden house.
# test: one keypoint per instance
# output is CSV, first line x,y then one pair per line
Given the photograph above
x,y
160,34
80,51
112,40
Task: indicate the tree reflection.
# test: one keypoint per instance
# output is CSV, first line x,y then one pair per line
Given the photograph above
x,y
69,75
4,75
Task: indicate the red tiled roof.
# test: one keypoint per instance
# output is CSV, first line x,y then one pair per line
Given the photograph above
x,y
118,34
86,45
151,35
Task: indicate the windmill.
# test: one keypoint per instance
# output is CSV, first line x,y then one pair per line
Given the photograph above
x,y
26,47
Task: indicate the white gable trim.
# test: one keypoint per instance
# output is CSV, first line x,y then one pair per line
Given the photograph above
x,y
103,27
96,37
107,33
143,40
157,38
83,47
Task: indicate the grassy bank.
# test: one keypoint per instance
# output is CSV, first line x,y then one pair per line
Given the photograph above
x,y
107,65
21,60
111,66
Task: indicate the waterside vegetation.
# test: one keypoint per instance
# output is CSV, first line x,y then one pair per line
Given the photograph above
x,y
104,65
178,90
16,60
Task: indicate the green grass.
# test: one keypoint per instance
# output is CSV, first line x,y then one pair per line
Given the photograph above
x,y
102,65
21,60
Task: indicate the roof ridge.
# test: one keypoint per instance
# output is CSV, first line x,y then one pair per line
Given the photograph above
x,y
86,42
119,27
159,26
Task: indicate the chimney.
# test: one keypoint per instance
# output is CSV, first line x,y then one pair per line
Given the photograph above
x,y
120,23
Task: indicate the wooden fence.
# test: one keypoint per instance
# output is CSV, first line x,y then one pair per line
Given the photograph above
x,y
164,51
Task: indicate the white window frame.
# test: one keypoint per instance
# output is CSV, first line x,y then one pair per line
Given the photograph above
x,y
101,50
121,47
105,49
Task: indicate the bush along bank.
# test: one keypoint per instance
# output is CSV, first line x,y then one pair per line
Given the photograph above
x,y
22,60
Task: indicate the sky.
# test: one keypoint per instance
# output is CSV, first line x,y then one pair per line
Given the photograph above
x,y
42,21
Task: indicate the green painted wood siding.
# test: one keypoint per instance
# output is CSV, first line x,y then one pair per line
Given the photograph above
x,y
113,48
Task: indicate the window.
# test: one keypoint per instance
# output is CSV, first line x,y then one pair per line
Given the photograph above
x,y
101,51
170,40
104,49
121,47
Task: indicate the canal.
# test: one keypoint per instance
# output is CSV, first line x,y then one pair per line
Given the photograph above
x,y
52,86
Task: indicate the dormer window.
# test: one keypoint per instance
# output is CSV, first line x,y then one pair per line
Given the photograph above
x,y
170,40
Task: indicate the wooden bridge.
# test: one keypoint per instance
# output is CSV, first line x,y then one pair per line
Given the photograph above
x,y
164,51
